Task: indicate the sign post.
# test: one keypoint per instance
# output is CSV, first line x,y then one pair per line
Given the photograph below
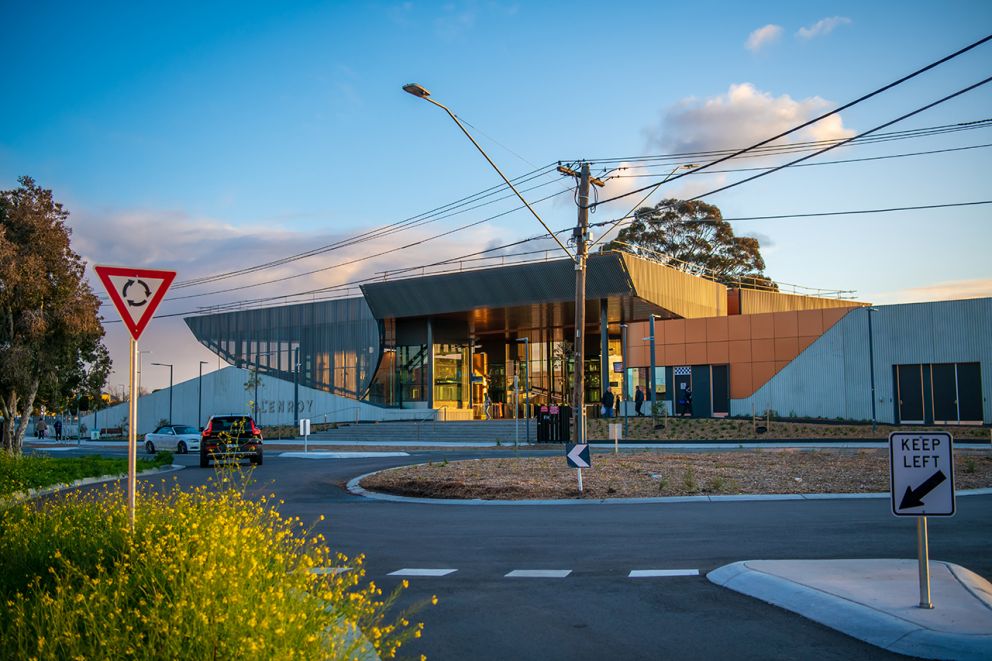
x,y
305,433
577,455
921,468
136,294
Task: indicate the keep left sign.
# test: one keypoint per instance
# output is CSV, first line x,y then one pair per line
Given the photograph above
x,y
922,473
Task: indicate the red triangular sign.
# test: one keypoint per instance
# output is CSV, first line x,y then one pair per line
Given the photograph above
x,y
135,293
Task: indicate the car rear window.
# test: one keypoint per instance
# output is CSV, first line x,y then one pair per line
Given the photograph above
x,y
231,423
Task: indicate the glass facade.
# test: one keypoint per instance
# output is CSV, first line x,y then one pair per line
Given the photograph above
x,y
335,343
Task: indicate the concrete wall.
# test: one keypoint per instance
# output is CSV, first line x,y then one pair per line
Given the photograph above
x,y
224,392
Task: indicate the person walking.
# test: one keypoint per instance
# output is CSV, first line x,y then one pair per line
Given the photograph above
x,y
607,401
638,400
616,406
41,428
687,402
58,429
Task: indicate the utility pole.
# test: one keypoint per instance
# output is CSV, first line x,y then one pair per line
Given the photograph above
x,y
581,233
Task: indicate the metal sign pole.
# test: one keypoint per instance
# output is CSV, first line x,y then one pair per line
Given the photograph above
x,y
923,551
132,434
580,480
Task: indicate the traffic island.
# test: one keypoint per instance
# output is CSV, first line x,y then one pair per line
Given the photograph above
x,y
877,601
653,474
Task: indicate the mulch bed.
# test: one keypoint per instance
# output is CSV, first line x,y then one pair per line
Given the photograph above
x,y
645,473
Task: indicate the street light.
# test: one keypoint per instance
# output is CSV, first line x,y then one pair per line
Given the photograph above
x,y
421,93
139,369
526,341
199,396
169,365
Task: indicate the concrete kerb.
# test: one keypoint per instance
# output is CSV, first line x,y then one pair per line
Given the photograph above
x,y
354,487
861,615
20,496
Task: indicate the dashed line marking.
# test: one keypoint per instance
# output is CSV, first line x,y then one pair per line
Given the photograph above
x,y
539,573
422,572
329,570
650,573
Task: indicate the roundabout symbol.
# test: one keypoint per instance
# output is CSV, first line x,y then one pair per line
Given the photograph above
x,y
133,303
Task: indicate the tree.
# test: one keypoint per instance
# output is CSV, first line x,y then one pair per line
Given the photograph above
x,y
50,330
698,239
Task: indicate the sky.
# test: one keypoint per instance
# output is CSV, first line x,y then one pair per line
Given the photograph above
x,y
209,137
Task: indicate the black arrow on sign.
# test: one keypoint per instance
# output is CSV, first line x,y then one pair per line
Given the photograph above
x,y
914,497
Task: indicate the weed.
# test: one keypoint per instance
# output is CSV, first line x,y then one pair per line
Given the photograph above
x,y
689,480
969,465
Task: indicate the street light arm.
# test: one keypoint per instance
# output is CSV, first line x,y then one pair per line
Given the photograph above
x,y
495,167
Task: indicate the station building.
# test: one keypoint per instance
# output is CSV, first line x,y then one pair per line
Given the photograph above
x,y
488,341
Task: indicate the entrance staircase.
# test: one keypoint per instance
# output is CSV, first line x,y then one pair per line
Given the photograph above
x,y
490,431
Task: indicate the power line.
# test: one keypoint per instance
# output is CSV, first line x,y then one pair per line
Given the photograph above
x,y
836,162
861,211
815,119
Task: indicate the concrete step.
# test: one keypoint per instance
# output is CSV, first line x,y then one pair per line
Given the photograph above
x,y
461,430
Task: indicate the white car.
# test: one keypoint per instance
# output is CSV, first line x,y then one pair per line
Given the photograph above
x,y
179,438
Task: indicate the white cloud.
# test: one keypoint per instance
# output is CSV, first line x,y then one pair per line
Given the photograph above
x,y
743,116
822,27
197,247
950,290
763,36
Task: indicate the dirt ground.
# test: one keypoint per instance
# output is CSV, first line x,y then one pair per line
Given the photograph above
x,y
649,473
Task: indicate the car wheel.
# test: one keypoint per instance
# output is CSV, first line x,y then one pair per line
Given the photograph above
x,y
257,460
181,448
204,460
149,447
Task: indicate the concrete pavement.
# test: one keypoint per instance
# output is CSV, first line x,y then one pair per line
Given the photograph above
x,y
877,601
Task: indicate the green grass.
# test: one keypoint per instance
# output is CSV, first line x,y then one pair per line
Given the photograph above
x,y
19,473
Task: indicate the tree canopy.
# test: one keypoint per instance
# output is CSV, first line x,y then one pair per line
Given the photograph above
x,y
696,235
50,330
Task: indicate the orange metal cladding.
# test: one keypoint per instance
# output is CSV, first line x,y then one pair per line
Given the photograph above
x,y
756,346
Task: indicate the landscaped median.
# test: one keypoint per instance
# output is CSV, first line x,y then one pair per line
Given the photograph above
x,y
205,574
23,474
646,473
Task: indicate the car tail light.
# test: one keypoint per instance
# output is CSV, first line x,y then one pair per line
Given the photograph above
x,y
255,430
206,430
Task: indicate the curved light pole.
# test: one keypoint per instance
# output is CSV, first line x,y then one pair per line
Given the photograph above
x,y
169,365
421,93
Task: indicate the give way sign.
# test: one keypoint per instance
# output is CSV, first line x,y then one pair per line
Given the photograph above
x,y
135,293
922,472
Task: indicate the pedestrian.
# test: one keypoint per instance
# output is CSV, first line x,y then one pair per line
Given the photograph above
x,y
487,405
58,429
616,407
687,402
638,400
40,428
607,402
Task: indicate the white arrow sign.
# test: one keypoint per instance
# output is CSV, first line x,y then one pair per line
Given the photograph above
x,y
578,456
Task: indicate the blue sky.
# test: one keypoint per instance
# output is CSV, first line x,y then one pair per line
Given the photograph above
x,y
206,136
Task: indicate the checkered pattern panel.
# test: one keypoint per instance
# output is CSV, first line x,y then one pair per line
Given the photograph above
x,y
683,371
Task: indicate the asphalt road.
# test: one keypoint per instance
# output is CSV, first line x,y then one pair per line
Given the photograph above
x,y
597,611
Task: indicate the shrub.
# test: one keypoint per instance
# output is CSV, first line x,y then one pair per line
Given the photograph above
x,y
205,574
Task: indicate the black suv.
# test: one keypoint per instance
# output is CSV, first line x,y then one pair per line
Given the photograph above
x,y
230,437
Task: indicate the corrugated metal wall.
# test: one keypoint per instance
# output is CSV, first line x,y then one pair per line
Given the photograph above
x,y
831,379
686,295
751,301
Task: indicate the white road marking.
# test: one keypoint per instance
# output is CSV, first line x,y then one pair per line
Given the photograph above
x,y
340,455
648,573
329,570
422,572
539,573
